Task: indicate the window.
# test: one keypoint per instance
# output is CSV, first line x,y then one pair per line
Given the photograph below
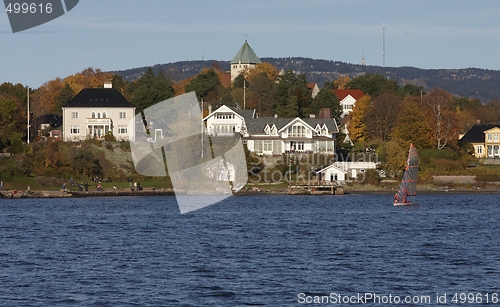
x,y
93,114
489,137
268,145
75,129
297,131
235,66
98,115
495,137
122,129
74,114
479,149
258,146
277,147
123,114
104,115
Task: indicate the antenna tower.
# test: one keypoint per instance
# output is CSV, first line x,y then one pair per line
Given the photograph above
x,y
383,43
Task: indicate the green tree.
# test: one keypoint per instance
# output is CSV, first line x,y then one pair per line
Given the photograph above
x,y
12,119
290,110
64,97
326,98
150,90
288,85
118,83
239,81
374,85
206,85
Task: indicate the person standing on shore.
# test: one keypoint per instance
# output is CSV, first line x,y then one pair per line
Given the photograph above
x,y
1,185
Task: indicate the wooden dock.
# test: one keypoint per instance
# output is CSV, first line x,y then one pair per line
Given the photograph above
x,y
315,188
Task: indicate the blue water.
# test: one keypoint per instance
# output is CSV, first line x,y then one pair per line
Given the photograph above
x,y
245,251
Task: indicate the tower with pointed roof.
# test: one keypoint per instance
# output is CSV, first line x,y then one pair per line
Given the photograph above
x,y
244,59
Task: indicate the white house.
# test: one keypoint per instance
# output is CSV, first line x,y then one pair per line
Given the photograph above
x,y
95,112
332,173
353,169
244,59
220,171
272,135
227,120
348,99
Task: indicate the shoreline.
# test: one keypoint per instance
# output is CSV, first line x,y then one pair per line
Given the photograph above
x,y
170,192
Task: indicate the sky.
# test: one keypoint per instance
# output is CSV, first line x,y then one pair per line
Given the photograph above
x,y
122,34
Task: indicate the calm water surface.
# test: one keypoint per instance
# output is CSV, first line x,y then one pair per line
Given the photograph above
x,y
246,251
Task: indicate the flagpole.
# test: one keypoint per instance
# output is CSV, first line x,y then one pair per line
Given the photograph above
x,y
28,124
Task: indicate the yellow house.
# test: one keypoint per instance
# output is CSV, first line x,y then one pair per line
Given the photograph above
x,y
492,142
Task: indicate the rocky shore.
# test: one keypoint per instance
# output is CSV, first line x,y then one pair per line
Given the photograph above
x,y
79,194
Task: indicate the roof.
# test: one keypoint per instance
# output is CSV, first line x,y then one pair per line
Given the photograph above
x,y
246,114
311,85
476,133
258,124
99,97
53,120
356,94
246,55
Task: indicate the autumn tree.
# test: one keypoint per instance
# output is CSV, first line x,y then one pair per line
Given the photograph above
x,y
356,125
260,91
45,97
442,117
412,126
342,82
262,68
382,116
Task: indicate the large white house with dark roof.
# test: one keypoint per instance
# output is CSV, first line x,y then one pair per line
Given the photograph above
x,y
95,112
274,136
244,59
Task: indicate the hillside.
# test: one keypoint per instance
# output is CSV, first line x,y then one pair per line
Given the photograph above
x,y
470,82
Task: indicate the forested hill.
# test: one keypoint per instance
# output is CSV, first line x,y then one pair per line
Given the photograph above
x,y
469,82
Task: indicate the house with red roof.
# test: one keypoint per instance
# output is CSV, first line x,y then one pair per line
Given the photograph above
x,y
348,99
314,88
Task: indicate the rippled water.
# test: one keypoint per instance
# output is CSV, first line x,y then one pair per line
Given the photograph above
x,y
244,251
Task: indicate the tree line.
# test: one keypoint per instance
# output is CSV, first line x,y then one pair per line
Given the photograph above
x,y
390,112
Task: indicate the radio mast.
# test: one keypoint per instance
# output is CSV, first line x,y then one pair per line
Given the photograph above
x,y
383,44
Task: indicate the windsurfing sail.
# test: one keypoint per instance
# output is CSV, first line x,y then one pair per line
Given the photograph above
x,y
408,187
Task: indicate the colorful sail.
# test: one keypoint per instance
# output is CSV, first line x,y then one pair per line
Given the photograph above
x,y
408,187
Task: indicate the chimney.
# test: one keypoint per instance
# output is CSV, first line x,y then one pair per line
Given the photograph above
x,y
325,113
108,84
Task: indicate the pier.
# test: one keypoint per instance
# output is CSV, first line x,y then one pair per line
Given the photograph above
x,y
315,188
